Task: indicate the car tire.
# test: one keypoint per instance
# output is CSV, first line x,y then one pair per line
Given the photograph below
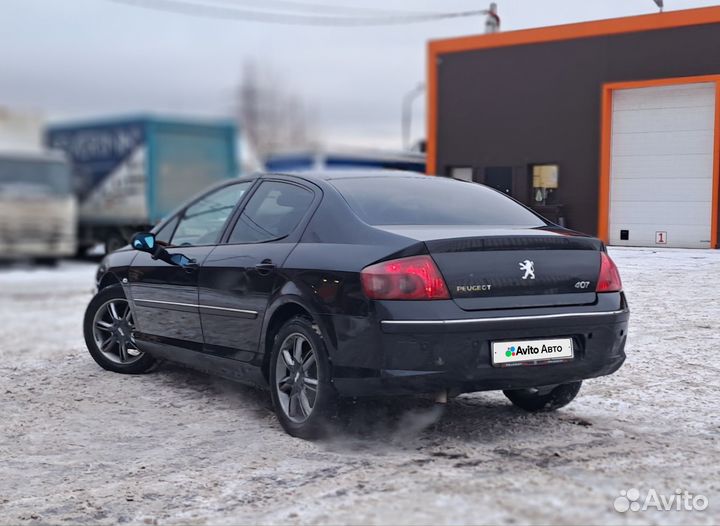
x,y
536,400
108,327
303,396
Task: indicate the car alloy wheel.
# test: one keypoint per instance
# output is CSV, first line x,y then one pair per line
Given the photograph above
x,y
113,328
297,377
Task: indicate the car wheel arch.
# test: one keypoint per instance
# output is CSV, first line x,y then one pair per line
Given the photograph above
x,y
108,280
279,313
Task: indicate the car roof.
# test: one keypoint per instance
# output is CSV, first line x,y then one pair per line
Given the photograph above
x,y
329,175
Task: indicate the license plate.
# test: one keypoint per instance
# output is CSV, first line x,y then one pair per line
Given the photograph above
x,y
535,351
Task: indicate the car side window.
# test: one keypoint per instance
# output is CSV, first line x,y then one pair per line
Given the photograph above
x,y
202,223
273,212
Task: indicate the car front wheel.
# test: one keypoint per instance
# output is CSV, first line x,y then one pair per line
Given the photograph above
x,y
108,329
544,399
302,392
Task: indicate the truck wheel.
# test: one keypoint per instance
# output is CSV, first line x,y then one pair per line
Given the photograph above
x,y
300,383
47,262
538,399
108,328
81,251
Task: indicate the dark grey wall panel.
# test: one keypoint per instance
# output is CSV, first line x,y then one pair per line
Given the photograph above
x,y
541,103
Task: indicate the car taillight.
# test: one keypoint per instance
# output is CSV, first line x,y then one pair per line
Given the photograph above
x,y
413,278
609,279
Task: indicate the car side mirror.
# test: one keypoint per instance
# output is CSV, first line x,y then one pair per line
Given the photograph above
x,y
144,242
182,260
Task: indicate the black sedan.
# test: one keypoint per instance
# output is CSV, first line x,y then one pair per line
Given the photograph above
x,y
351,284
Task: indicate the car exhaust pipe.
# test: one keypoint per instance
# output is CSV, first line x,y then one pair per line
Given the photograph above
x,y
441,397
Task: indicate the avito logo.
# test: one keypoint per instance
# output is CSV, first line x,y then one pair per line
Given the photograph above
x,y
681,500
529,349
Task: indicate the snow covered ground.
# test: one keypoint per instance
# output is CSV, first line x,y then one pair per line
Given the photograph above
x,y
81,445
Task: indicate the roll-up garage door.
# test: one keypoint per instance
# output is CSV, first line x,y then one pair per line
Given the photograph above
x,y
661,166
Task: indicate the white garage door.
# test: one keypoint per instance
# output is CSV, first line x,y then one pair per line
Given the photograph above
x,y
661,170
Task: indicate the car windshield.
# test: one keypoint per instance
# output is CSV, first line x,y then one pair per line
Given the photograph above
x,y
431,201
34,176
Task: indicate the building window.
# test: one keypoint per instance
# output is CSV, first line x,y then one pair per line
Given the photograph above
x,y
462,173
500,178
545,182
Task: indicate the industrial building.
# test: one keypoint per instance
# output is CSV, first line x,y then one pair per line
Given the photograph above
x,y
609,127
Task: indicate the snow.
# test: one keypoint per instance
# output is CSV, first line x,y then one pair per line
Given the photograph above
x,y
81,445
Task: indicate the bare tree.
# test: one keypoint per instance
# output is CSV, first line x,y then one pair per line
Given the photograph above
x,y
272,117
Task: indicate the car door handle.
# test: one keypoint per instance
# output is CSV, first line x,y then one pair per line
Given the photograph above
x,y
191,267
266,266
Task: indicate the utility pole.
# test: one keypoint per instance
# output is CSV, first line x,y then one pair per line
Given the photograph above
x,y
492,21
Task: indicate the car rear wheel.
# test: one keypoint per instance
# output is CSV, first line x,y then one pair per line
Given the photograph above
x,y
301,388
108,329
544,399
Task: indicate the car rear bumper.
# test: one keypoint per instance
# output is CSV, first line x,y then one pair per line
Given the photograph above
x,y
402,356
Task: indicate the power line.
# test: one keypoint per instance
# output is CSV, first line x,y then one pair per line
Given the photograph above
x,y
193,8
204,10
311,7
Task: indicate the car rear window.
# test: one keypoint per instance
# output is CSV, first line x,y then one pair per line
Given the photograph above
x,y
431,201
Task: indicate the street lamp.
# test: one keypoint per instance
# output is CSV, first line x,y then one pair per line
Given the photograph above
x,y
408,99
660,4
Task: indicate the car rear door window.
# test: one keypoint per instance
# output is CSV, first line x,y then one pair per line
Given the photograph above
x,y
202,222
273,212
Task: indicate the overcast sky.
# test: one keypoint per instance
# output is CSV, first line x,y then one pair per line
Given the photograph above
x,y
80,58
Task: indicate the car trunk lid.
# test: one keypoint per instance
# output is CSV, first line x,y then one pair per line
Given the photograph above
x,y
513,268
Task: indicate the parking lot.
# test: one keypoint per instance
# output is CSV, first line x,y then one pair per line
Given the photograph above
x,y
81,445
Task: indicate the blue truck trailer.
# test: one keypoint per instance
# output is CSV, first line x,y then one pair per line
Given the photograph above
x,y
129,173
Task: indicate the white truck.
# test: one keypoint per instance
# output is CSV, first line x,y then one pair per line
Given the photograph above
x,y
129,172
38,208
